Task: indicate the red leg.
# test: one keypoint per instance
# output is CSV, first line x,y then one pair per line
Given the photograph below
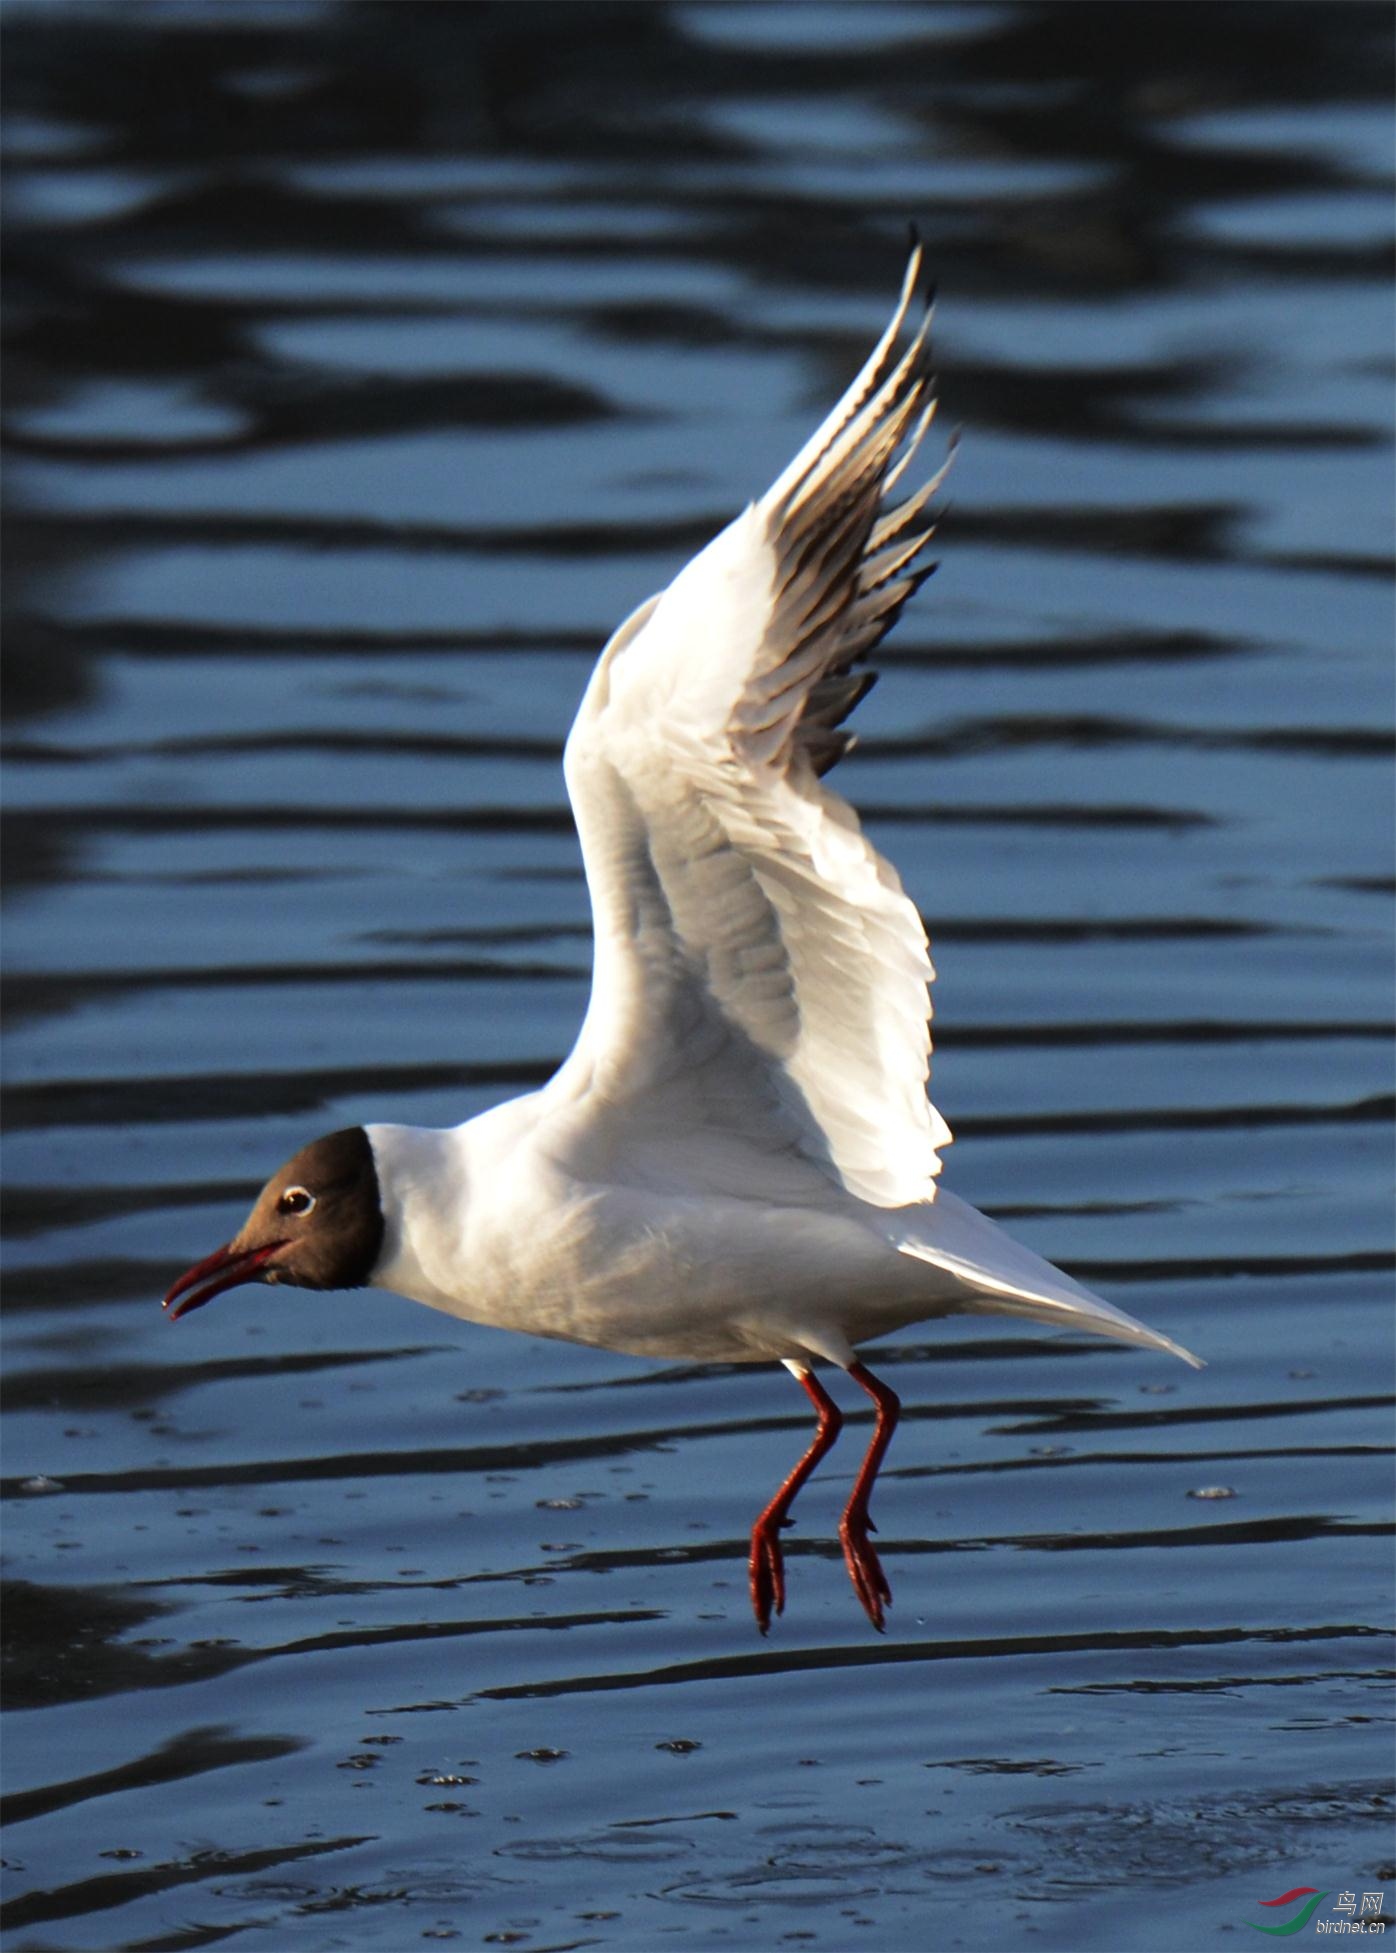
x,y
766,1567
864,1567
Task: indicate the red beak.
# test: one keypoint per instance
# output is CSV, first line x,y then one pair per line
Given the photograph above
x,y
226,1267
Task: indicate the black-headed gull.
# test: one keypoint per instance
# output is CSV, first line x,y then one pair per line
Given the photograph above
x,y
738,1161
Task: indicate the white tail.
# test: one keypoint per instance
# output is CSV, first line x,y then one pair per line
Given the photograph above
x,y
1011,1278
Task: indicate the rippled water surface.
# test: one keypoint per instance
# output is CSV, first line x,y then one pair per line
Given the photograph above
x,y
366,365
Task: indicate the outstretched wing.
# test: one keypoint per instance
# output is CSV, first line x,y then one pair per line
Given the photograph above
x,y
760,977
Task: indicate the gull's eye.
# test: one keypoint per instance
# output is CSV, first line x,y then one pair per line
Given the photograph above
x,y
296,1200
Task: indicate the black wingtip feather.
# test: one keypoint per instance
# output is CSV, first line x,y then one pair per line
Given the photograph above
x,y
833,604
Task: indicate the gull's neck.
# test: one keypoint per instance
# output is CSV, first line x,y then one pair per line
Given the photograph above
x,y
437,1187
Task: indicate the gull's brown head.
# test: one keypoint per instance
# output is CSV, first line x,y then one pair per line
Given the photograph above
x,y
317,1223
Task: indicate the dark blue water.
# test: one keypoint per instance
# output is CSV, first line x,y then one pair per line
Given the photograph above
x,y
366,365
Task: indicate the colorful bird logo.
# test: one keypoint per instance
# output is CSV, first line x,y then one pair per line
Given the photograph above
x,y
1300,1919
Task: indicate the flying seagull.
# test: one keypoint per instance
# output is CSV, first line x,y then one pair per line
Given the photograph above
x,y
738,1161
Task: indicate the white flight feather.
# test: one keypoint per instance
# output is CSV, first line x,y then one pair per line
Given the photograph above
x,y
759,974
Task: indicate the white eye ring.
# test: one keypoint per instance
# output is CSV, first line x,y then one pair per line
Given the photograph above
x,y
296,1200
